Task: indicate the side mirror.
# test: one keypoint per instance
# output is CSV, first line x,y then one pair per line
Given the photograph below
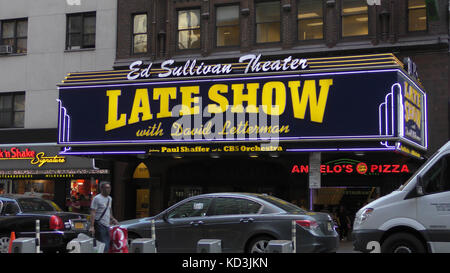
x,y
419,186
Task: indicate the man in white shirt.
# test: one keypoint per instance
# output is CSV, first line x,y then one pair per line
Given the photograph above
x,y
101,214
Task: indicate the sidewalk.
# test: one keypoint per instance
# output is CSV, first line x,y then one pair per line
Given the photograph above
x,y
346,247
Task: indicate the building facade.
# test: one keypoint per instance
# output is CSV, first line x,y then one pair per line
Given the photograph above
x,y
219,32
100,42
40,42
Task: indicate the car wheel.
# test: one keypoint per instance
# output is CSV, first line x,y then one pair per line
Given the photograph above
x,y
402,243
259,244
4,243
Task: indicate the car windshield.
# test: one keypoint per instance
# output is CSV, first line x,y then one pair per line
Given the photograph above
x,y
419,170
34,205
286,206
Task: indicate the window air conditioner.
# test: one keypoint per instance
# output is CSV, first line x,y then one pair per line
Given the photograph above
x,y
6,49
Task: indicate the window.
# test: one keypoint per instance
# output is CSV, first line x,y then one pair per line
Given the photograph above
x,y
193,208
437,177
14,33
140,33
35,205
288,207
80,31
310,19
12,110
227,24
10,209
189,29
355,19
417,15
233,206
268,22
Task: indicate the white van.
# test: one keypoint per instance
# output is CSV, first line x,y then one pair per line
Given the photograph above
x,y
414,218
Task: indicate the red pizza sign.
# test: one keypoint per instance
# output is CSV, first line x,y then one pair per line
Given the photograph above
x,y
349,166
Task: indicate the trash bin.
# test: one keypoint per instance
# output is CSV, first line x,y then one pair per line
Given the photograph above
x,y
209,246
81,245
279,246
24,245
143,245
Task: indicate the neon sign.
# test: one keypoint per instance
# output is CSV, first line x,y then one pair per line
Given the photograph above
x,y
377,107
36,158
273,93
193,68
15,153
349,166
308,107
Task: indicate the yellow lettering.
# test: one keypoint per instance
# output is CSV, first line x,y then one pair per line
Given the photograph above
x,y
113,108
412,105
412,113
214,96
177,129
280,98
187,100
141,105
412,95
163,95
317,108
239,97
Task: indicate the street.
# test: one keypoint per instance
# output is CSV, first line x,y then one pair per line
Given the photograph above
x,y
346,247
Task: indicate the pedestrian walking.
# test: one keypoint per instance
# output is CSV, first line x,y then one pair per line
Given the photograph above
x,y
344,222
101,215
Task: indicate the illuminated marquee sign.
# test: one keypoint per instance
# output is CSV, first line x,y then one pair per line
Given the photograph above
x,y
189,103
413,107
36,158
349,166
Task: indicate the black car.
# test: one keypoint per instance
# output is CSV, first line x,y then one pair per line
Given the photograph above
x,y
19,213
244,222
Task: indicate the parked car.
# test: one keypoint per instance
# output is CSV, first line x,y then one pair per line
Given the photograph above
x,y
414,218
19,213
244,222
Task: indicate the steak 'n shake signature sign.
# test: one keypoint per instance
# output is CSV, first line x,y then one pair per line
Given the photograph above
x,y
36,158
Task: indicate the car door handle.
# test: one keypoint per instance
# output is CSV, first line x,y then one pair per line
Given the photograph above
x,y
247,220
196,223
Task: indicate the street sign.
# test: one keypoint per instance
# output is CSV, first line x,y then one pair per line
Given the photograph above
x,y
314,172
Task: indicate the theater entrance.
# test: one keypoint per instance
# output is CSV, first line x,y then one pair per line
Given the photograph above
x,y
141,181
228,174
330,199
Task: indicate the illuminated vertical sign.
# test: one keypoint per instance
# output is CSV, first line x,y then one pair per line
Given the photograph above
x,y
413,114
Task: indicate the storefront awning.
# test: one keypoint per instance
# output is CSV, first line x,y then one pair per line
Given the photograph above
x,y
42,161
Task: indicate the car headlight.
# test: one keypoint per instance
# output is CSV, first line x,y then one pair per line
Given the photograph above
x,y
365,215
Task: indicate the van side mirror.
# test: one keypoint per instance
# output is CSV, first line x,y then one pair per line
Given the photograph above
x,y
419,186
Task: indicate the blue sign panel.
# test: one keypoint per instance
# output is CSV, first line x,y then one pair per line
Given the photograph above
x,y
355,105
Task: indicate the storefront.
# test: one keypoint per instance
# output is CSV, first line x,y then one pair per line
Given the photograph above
x,y
301,129
41,171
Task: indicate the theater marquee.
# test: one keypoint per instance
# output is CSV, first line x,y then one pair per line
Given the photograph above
x,y
369,100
